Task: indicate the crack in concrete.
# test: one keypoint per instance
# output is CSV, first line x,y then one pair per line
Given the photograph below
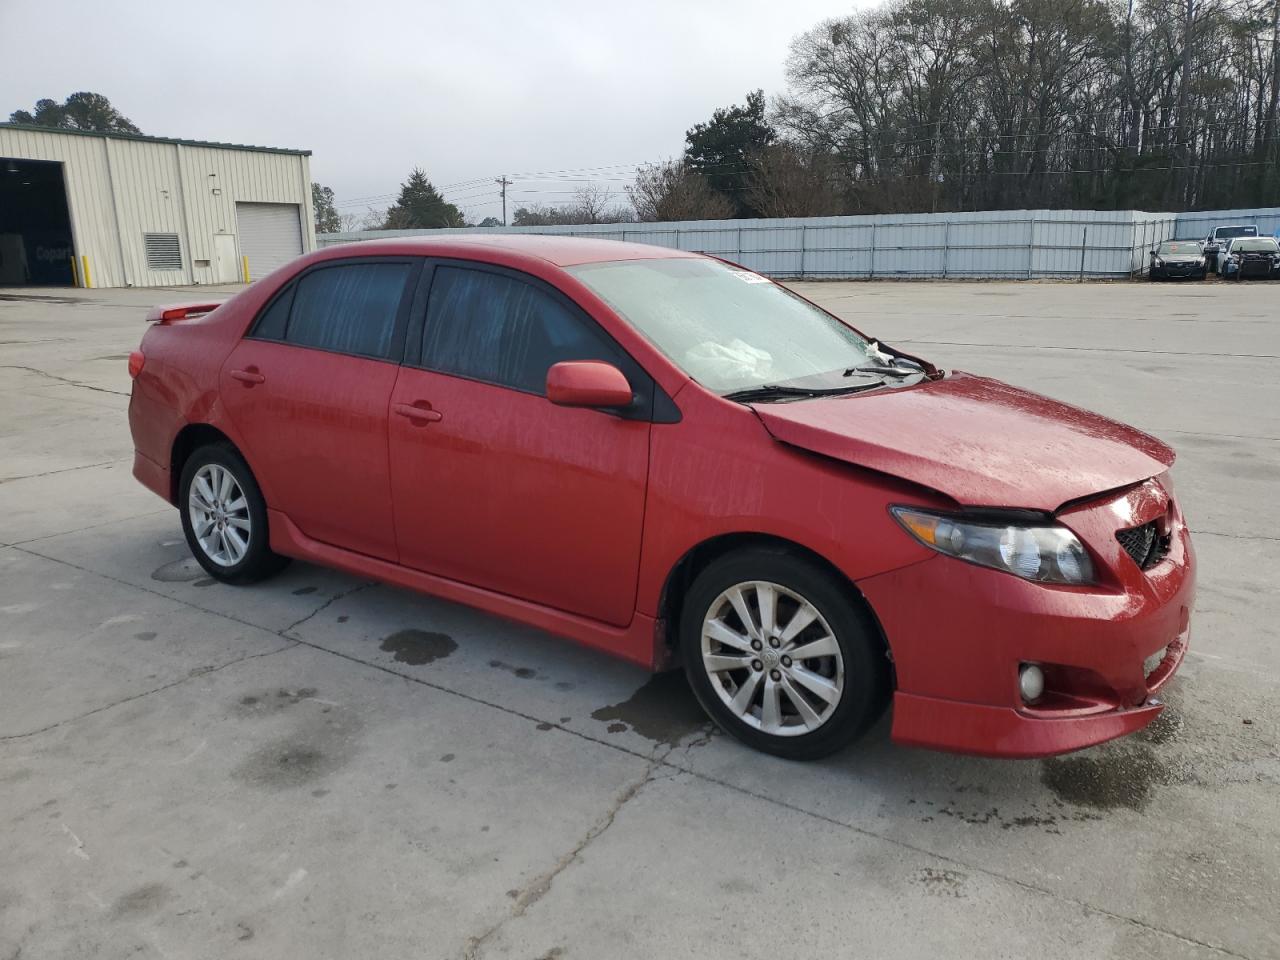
x,y
1216,436
92,526
8,738
1230,536
540,886
664,761
50,473
328,603
67,380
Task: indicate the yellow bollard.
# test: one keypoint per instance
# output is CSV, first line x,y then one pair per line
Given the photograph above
x,y
244,263
75,273
88,278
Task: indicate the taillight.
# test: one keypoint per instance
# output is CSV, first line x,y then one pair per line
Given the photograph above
x,y
136,359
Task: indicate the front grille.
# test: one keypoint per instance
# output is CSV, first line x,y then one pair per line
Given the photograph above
x,y
1144,544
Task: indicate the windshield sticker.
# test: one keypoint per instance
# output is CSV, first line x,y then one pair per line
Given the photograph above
x,y
746,277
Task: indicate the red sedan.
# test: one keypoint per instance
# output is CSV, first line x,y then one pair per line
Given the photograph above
x,y
675,460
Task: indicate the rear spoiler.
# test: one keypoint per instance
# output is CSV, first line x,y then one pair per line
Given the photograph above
x,y
181,311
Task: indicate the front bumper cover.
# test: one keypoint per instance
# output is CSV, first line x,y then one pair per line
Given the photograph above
x,y
959,634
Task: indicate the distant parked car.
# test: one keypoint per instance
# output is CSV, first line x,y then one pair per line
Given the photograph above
x,y
1213,244
1178,258
1251,257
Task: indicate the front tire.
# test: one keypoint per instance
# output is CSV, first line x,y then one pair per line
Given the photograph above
x,y
224,517
780,655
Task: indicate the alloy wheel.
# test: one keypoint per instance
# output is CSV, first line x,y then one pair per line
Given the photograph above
x,y
219,515
772,658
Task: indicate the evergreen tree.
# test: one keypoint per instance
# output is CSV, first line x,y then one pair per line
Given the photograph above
x,y
421,206
80,111
722,149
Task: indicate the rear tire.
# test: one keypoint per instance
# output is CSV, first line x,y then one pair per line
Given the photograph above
x,y
224,517
742,670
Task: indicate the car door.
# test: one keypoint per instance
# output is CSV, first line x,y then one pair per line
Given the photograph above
x,y
308,388
495,486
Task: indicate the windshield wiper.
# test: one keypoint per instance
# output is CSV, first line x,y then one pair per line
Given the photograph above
x,y
885,369
767,392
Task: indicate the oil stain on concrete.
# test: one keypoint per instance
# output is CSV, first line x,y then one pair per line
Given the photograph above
x,y
940,883
524,673
144,899
418,647
324,739
178,571
1116,779
289,762
662,710
264,702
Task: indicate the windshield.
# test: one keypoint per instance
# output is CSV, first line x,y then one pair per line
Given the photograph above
x,y
727,328
1173,248
1260,245
1223,233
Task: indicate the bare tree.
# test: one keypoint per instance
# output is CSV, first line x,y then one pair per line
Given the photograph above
x,y
594,204
672,191
787,181
935,104
373,219
591,204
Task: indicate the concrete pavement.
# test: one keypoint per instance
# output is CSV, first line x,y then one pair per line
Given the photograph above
x,y
320,766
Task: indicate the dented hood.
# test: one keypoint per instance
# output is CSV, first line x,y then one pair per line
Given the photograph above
x,y
981,442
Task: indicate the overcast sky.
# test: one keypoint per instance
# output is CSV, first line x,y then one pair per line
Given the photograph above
x,y
466,90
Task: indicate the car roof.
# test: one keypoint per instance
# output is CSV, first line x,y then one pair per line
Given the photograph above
x,y
559,250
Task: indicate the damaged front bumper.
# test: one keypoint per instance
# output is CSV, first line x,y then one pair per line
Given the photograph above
x,y
960,633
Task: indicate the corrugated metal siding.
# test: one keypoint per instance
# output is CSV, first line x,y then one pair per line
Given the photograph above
x,y
1199,223
149,199
1004,243
160,187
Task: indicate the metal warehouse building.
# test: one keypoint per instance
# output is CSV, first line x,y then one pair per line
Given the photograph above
x,y
117,210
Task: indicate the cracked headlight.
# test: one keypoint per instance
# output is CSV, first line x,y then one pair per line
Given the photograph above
x,y
1043,552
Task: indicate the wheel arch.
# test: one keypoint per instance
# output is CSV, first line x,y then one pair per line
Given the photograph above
x,y
188,440
676,585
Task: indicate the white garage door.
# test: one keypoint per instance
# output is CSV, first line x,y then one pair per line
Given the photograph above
x,y
270,235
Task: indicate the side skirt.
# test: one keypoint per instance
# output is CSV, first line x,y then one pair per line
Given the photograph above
x,y
638,643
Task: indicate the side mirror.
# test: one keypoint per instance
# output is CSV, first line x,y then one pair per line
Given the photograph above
x,y
587,383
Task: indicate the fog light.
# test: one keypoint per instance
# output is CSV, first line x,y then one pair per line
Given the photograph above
x,y
1030,682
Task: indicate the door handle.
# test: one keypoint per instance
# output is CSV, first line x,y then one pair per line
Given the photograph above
x,y
248,377
413,412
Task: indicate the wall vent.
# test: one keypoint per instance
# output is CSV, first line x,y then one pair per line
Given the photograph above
x,y
163,251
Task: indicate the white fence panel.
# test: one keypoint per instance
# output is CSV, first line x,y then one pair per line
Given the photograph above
x,y
1198,224
997,244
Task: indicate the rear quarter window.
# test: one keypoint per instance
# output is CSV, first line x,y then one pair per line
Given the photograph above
x,y
271,322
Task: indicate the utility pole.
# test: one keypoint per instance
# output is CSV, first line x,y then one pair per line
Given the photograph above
x,y
503,182
1181,151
